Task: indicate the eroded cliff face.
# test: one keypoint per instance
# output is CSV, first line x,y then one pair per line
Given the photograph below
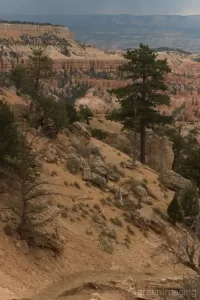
x,y
15,31
16,41
159,153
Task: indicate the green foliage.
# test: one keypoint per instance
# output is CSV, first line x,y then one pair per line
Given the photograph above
x,y
99,134
9,137
39,68
190,165
189,199
18,76
146,91
73,91
175,211
72,113
31,23
29,78
50,115
185,206
85,113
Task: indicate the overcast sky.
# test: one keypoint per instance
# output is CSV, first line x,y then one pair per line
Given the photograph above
x,y
135,7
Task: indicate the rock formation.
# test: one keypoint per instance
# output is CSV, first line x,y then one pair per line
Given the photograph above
x,y
16,30
173,181
160,155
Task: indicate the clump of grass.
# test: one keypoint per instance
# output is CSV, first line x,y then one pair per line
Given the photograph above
x,y
127,217
116,222
75,208
103,201
104,217
97,219
95,151
64,213
77,185
118,204
129,229
99,134
97,207
105,244
83,216
127,239
109,233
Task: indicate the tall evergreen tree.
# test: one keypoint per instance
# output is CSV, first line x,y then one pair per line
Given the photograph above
x,y
144,92
175,211
39,68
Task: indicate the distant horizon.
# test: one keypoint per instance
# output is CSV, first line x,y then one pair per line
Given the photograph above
x,y
94,14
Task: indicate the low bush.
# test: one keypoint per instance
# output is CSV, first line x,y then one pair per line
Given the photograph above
x,y
99,134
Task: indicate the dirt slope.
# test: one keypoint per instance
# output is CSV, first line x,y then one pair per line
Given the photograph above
x,y
25,275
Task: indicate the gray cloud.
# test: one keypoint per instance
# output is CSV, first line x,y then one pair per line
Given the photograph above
x,y
100,6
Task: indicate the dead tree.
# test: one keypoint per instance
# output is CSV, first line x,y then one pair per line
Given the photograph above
x,y
28,198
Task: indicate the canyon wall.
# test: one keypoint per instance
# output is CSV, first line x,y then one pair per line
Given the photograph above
x,y
107,65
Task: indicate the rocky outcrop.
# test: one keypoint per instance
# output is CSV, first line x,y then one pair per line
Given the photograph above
x,y
173,181
159,153
80,129
101,168
74,164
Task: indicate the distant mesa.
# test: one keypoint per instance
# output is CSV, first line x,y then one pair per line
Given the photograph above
x,y
16,29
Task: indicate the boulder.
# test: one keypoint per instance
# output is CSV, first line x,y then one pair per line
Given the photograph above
x,y
74,163
81,129
72,150
173,181
113,176
87,173
101,168
50,155
99,181
39,161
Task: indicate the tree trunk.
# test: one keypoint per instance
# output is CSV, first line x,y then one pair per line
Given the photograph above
x,y
142,143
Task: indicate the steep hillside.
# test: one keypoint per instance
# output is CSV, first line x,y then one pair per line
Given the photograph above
x,y
106,219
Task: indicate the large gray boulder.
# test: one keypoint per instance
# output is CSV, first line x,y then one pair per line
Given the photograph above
x,y
74,163
173,181
101,168
96,179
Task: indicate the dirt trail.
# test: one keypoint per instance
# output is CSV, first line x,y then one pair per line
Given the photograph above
x,y
82,284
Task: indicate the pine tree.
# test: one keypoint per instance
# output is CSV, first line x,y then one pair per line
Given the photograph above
x,y
175,211
189,200
143,94
39,68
